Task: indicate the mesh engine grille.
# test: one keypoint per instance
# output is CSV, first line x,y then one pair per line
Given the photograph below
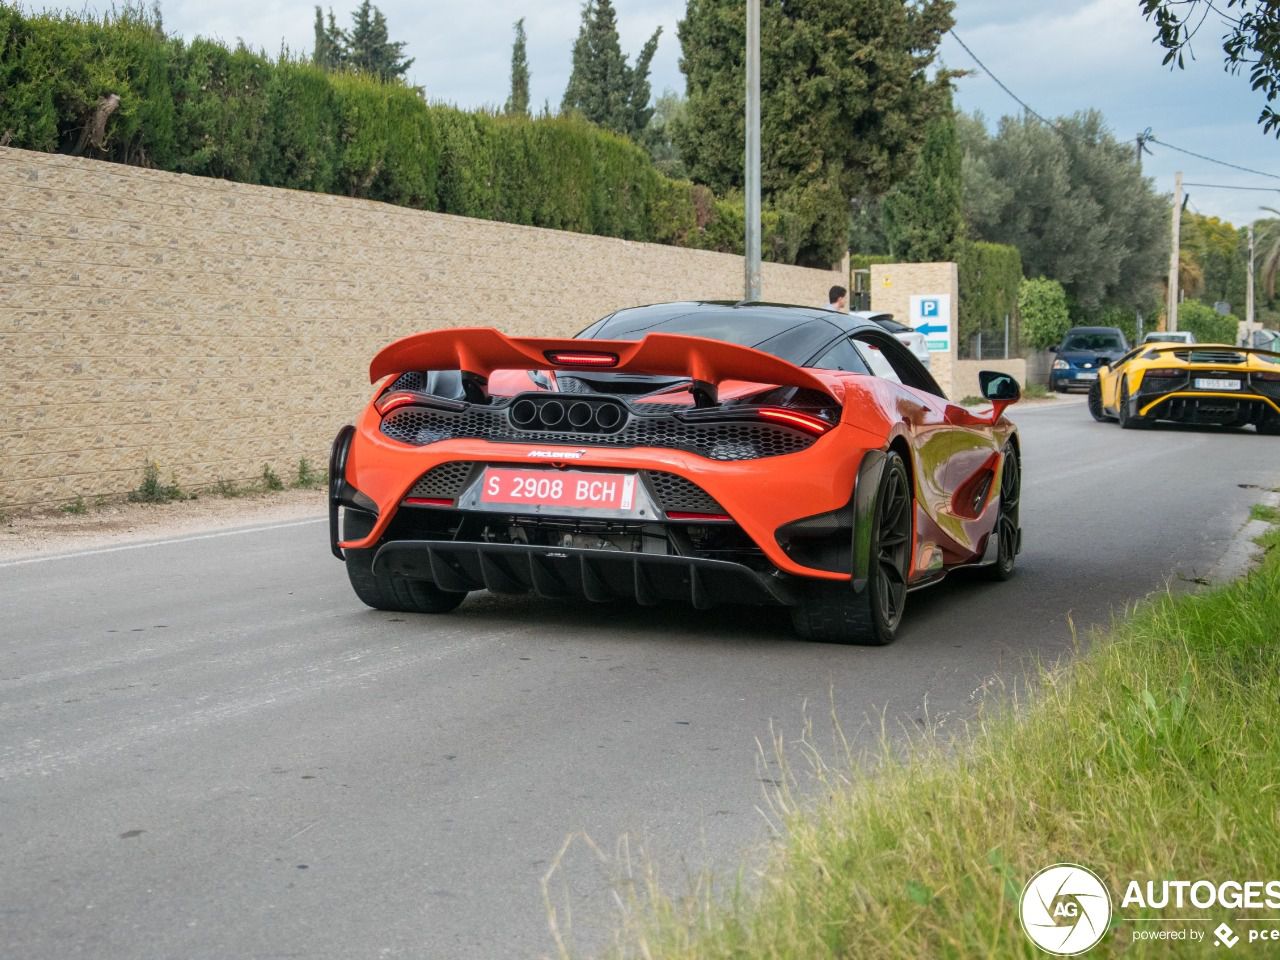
x,y
677,493
716,441
409,381
447,481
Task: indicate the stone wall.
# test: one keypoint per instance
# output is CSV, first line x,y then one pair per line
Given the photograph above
x,y
893,285
214,327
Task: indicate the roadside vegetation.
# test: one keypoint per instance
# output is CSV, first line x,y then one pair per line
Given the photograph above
x,y
151,489
1152,755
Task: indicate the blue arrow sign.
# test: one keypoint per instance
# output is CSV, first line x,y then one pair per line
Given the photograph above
x,y
928,328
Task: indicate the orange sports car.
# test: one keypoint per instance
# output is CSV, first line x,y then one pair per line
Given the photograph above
x,y
700,452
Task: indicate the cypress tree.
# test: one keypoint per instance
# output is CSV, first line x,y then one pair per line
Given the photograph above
x,y
368,48
518,102
602,86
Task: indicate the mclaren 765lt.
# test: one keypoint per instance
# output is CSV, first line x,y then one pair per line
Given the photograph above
x,y
682,452
1190,383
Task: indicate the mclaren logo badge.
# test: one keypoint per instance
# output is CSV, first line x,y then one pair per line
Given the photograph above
x,y
557,454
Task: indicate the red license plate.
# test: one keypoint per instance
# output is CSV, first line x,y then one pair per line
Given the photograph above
x,y
559,488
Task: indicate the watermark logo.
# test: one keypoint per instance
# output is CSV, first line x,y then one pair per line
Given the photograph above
x,y
1224,936
1065,909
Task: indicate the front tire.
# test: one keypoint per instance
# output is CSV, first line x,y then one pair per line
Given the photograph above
x,y
834,612
389,591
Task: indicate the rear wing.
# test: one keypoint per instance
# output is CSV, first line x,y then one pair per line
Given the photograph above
x,y
476,352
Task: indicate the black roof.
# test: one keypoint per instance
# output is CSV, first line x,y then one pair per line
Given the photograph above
x,y
794,333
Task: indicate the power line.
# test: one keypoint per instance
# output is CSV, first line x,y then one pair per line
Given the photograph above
x,y
1144,138
1228,186
1224,163
999,83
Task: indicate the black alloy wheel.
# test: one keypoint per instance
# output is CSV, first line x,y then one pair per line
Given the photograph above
x,y
1096,410
1007,530
835,612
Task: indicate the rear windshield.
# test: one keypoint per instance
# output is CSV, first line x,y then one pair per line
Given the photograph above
x,y
1093,341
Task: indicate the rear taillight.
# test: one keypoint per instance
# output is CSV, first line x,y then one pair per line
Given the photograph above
x,y
395,400
428,501
791,418
1269,377
1168,372
581,358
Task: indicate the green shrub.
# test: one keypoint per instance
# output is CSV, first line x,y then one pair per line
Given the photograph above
x,y
990,280
203,109
76,507
308,478
300,129
1042,305
220,110
151,490
1206,324
270,479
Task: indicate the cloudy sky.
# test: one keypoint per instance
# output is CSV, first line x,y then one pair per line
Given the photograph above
x,y
1057,56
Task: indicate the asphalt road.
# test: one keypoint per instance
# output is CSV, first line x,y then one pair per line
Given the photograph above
x,y
209,748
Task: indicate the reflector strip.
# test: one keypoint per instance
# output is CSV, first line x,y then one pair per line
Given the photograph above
x,y
428,501
706,517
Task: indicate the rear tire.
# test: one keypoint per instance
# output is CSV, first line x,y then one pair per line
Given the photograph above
x,y
389,591
1269,426
1129,421
1096,410
834,612
1007,528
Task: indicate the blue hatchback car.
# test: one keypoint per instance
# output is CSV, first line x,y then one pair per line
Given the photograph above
x,y
1082,351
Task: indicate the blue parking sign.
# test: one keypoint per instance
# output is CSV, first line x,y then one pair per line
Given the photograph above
x,y
929,307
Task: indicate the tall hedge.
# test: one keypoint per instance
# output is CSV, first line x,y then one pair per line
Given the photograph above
x,y
204,109
990,275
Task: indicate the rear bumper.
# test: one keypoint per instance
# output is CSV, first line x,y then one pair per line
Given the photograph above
x,y
1070,380
1199,406
597,575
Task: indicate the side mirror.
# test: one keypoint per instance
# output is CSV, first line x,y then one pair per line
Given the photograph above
x,y
1000,388
1054,348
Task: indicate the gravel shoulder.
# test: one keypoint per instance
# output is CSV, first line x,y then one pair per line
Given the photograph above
x,y
54,531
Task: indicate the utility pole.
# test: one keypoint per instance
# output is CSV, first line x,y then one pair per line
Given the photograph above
x,y
1140,146
1171,323
1248,293
751,246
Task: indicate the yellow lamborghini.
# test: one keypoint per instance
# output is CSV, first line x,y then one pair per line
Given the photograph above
x,y
1190,383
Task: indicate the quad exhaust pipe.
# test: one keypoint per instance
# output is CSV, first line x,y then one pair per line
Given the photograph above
x,y
581,415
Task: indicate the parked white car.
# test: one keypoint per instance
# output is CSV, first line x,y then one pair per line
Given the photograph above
x,y
904,334
1169,336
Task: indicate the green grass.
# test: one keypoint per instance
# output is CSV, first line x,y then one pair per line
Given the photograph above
x,y
1262,511
1035,391
1154,754
76,507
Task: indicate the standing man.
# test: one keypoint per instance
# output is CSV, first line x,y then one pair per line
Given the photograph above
x,y
838,299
